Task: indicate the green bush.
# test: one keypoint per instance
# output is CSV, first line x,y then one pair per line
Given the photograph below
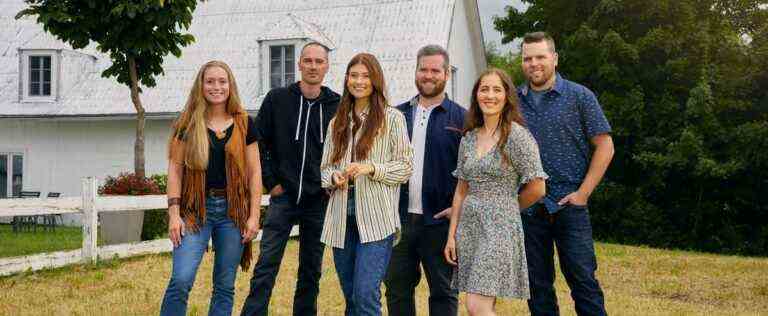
x,y
156,221
155,225
161,180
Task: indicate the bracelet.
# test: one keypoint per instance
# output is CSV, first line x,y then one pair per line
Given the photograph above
x,y
174,201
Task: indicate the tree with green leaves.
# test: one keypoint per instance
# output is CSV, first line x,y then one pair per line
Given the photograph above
x,y
136,34
509,62
683,83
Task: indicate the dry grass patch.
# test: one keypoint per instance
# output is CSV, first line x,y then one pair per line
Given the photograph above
x,y
636,281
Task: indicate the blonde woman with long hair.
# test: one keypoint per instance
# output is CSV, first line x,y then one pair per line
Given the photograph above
x,y
214,189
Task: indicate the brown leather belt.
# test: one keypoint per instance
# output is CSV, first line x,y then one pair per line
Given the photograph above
x,y
216,193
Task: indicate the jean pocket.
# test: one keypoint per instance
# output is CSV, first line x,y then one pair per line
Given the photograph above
x,y
279,199
578,207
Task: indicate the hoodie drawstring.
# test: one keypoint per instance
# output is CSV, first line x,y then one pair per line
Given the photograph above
x,y
322,138
298,122
304,148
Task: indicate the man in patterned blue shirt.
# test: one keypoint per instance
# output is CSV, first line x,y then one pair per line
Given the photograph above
x,y
564,118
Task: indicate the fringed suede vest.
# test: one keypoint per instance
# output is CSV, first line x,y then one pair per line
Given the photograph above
x,y
192,206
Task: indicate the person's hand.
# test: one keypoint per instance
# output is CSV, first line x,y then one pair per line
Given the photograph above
x,y
339,180
358,169
251,228
575,198
444,213
450,251
276,191
175,229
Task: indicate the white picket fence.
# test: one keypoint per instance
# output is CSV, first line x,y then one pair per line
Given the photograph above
x,y
89,206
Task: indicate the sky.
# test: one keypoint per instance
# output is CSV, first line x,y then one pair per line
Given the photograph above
x,y
491,8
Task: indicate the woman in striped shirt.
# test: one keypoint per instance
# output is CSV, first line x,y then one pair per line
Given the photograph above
x,y
363,174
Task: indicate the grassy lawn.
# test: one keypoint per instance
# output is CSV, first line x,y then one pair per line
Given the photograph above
x,y
636,281
28,243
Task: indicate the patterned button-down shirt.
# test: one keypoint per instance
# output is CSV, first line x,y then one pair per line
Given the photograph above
x,y
563,123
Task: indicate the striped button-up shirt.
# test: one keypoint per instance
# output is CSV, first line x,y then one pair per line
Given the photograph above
x,y
377,194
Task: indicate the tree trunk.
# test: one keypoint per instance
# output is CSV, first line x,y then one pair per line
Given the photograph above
x,y
138,147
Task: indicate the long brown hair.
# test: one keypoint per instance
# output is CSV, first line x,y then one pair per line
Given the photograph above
x,y
375,120
190,126
510,113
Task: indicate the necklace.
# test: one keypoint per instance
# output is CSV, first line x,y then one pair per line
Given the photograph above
x,y
220,134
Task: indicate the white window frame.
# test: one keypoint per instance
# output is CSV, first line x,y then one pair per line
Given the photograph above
x,y
9,168
24,72
266,60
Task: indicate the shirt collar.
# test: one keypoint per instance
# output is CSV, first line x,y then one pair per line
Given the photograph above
x,y
414,102
362,115
559,86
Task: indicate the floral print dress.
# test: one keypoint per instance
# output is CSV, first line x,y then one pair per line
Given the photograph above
x,y
489,237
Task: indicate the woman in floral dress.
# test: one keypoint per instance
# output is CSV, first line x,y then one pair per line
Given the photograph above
x,y
497,157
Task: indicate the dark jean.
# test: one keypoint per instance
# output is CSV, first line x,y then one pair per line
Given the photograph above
x,y
227,247
571,231
361,267
281,215
420,246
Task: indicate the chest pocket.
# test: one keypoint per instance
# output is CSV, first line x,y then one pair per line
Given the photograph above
x,y
452,130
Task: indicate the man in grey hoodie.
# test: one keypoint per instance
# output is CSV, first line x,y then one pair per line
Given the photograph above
x,y
291,127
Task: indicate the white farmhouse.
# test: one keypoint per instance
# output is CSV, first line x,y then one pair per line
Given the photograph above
x,y
61,121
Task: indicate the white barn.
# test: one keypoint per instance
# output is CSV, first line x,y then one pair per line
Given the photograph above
x,y
61,121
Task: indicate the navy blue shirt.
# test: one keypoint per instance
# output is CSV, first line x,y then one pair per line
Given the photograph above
x,y
441,150
563,123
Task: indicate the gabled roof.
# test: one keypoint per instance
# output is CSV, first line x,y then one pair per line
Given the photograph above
x,y
230,30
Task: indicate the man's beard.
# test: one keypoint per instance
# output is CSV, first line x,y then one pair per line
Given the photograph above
x,y
544,79
439,88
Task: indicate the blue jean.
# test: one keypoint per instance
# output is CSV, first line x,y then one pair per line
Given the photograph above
x,y
227,247
361,268
571,232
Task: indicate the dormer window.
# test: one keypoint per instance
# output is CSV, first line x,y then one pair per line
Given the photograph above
x,y
282,65
39,74
279,67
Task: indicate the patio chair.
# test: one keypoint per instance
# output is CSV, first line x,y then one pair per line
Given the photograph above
x,y
28,222
49,220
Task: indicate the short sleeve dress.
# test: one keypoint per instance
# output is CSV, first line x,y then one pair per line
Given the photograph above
x,y
489,237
